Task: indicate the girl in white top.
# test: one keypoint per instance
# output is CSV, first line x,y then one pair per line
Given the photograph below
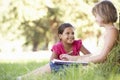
x,y
106,15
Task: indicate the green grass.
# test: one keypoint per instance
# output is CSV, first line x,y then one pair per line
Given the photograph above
x,y
9,71
109,70
91,72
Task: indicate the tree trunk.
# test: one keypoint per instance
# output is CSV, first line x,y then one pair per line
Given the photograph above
x,y
35,46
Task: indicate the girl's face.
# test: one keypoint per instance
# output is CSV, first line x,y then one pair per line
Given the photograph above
x,y
99,20
67,36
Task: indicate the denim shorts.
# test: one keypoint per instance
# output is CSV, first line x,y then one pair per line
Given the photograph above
x,y
57,67
60,67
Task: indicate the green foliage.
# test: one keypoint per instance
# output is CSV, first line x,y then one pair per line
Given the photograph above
x,y
37,21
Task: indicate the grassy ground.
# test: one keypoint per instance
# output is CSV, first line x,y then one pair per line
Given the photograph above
x,y
9,71
109,70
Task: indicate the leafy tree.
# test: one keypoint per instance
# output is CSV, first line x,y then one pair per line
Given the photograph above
x,y
37,21
38,31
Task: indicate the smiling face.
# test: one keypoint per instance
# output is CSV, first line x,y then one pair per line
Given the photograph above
x,y
67,36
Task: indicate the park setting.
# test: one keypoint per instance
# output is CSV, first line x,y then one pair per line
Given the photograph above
x,y
29,29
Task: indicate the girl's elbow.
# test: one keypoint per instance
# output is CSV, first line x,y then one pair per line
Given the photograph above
x,y
102,59
98,59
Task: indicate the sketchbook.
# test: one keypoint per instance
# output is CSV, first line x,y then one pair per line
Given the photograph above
x,y
56,61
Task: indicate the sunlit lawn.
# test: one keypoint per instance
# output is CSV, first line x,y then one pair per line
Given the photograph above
x,y
9,71
11,68
13,65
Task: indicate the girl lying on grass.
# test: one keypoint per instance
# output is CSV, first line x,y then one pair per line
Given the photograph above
x,y
66,45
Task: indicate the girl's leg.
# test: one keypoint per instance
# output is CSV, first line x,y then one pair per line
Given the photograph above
x,y
37,72
42,70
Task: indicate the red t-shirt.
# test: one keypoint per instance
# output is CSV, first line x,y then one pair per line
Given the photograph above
x,y
58,48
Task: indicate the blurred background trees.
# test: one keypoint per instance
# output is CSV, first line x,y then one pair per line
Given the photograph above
x,y
32,24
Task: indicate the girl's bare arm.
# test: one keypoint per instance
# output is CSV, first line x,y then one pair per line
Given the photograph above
x,y
84,50
53,56
109,41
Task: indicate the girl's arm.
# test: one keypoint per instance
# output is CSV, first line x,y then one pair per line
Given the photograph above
x,y
109,41
53,56
74,58
84,50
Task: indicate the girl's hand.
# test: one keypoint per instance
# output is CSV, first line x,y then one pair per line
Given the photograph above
x,y
65,57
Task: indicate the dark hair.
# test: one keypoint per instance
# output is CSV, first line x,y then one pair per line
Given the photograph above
x,y
106,10
63,26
